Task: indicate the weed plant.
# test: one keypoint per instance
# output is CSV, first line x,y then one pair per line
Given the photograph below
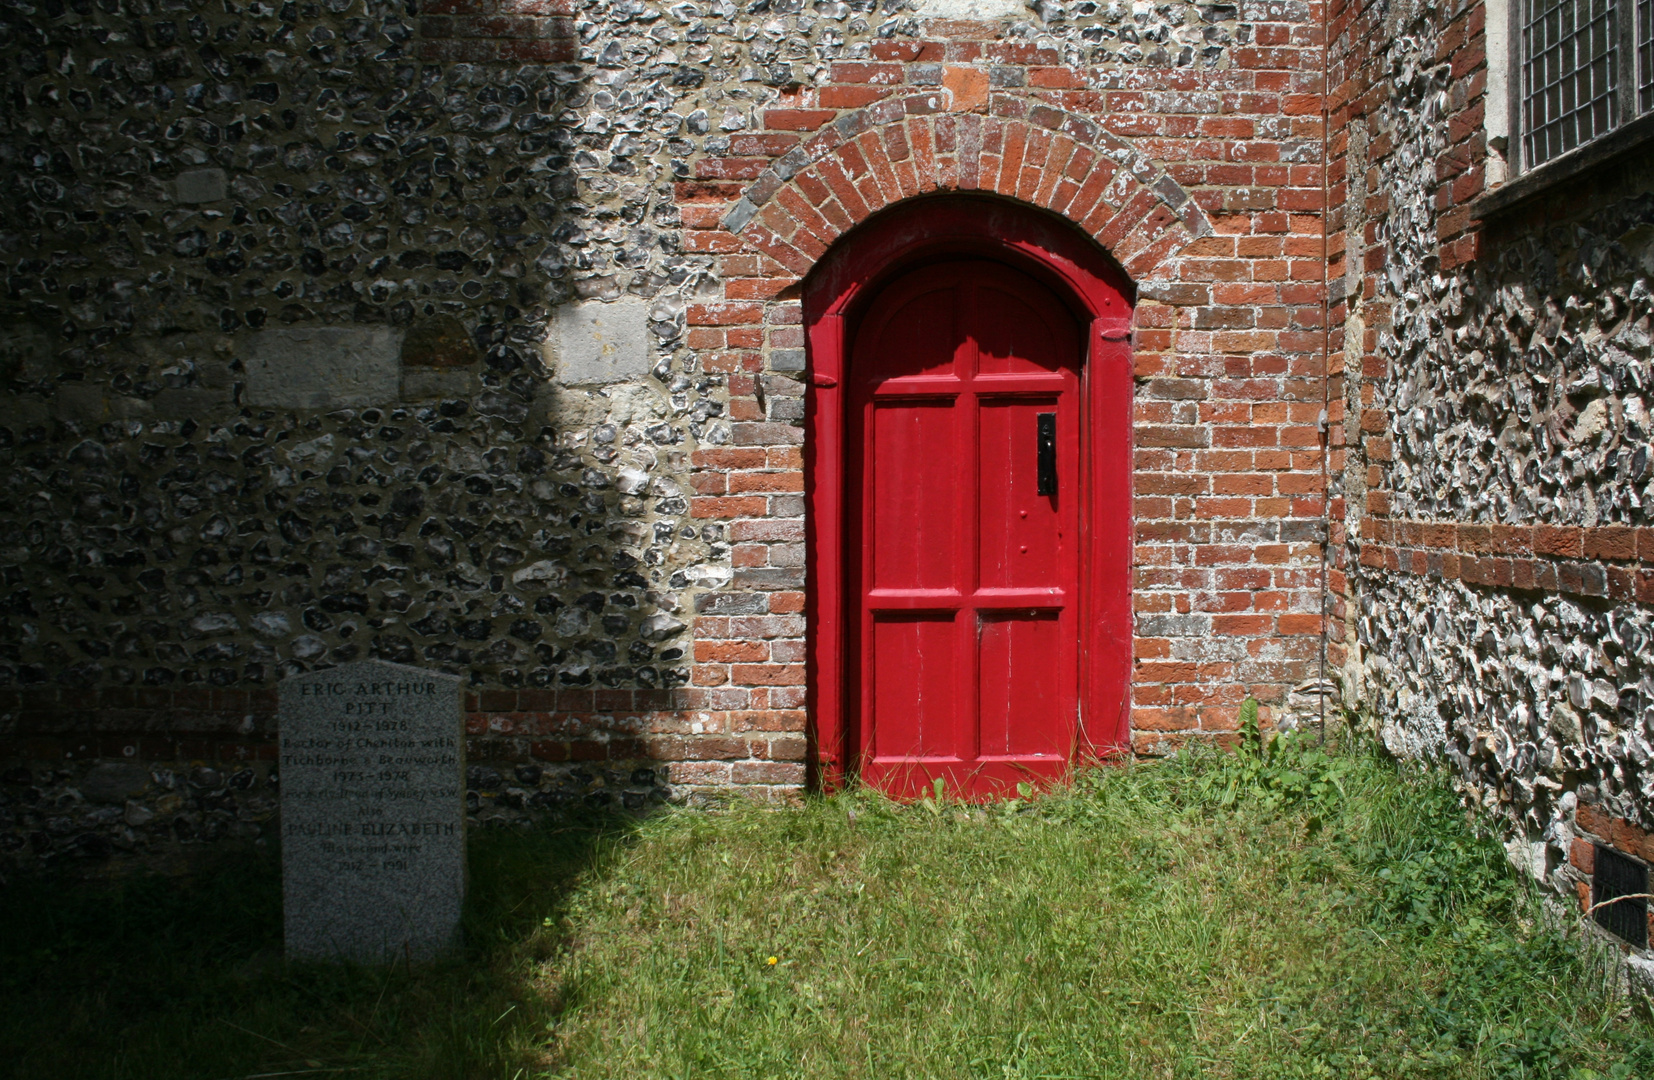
x,y
1280,911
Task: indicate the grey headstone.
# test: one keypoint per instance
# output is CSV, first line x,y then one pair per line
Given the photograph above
x,y
595,343
372,812
324,367
200,186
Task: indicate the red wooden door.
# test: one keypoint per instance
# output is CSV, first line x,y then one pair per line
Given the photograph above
x,y
964,580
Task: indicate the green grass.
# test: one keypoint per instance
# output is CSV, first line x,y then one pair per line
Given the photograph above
x,y
1238,916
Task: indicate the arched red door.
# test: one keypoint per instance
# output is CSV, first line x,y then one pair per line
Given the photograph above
x,y
964,424
968,477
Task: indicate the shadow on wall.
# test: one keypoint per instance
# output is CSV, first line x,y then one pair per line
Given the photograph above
x,y
326,339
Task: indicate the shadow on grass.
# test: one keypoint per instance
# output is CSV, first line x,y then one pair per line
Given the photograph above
x,y
184,978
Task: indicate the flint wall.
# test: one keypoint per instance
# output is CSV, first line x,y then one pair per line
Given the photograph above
x,y
1490,504
466,334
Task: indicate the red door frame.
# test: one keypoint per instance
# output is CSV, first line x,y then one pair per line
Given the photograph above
x,y
836,293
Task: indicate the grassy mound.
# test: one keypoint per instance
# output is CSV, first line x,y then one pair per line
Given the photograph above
x,y
1268,914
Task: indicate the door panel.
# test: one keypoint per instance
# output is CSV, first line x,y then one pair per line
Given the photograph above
x,y
920,339
1022,539
1013,337
913,538
964,577
1024,680
915,677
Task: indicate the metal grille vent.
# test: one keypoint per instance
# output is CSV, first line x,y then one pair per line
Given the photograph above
x,y
1616,875
1570,81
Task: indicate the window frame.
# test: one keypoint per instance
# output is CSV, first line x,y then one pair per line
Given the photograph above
x,y
1643,38
1507,110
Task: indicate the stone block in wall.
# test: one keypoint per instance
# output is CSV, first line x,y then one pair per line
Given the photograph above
x,y
80,401
184,403
22,411
27,351
200,186
438,361
439,342
114,782
324,367
593,343
973,10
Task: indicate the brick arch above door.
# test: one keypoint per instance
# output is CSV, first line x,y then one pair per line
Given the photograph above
x,y
1022,148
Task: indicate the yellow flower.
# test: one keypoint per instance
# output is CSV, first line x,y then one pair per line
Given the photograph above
x,y
772,961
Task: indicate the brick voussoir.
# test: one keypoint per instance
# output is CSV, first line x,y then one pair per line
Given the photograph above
x,y
874,156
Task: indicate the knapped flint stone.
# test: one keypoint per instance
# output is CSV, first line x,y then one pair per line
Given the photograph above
x,y
81,401
324,367
373,812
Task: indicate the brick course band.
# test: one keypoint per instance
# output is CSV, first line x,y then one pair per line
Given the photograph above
x,y
759,746
1608,543
483,31
142,724
1578,560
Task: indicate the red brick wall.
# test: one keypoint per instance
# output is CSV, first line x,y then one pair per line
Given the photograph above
x,y
1204,185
